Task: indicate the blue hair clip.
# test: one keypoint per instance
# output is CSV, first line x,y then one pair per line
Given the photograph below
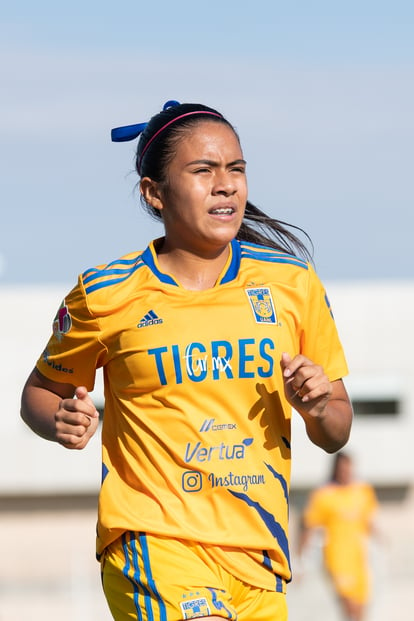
x,y
171,103
130,132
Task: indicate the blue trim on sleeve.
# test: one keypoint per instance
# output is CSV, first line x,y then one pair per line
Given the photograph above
x,y
121,269
270,255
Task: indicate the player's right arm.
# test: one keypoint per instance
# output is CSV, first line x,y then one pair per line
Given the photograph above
x,y
58,412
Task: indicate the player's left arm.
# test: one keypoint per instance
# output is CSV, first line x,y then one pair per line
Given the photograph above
x,y
324,405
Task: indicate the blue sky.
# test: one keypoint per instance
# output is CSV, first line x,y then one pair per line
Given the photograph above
x,y
322,94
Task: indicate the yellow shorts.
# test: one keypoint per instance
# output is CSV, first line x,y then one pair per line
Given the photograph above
x,y
349,573
353,585
151,578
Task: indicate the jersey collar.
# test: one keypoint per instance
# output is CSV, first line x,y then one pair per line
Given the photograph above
x,y
231,269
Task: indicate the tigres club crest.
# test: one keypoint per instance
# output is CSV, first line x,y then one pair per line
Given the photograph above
x,y
261,301
62,323
193,608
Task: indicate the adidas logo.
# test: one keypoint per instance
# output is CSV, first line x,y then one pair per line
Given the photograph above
x,y
150,319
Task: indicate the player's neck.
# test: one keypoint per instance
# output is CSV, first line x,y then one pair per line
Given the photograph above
x,y
193,271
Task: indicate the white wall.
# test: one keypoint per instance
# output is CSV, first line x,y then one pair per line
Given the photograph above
x,y
28,463
376,324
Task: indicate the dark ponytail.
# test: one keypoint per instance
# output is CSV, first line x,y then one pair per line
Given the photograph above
x,y
259,228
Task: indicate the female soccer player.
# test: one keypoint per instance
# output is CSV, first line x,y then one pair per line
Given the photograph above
x,y
344,509
207,338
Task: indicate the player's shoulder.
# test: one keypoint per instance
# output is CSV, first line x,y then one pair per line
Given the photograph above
x,y
276,266
266,255
326,490
364,487
109,278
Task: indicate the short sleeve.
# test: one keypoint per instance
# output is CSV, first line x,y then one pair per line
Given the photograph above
x,y
315,514
320,341
74,350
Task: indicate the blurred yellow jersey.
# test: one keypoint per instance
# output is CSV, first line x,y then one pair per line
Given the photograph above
x,y
345,513
196,429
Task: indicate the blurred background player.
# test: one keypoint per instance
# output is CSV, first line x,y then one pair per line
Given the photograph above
x,y
344,510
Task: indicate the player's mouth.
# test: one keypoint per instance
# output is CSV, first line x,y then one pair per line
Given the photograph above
x,y
222,211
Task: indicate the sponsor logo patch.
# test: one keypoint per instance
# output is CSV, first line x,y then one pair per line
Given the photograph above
x,y
62,322
191,481
209,425
149,319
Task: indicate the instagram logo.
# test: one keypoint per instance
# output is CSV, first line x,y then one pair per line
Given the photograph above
x,y
191,481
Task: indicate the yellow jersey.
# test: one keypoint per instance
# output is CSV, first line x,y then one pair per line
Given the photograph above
x,y
196,427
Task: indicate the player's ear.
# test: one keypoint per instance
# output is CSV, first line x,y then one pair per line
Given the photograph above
x,y
151,193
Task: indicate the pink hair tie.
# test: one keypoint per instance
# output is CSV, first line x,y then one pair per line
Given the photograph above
x,y
181,116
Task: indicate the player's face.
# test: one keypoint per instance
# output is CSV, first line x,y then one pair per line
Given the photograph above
x,y
204,199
